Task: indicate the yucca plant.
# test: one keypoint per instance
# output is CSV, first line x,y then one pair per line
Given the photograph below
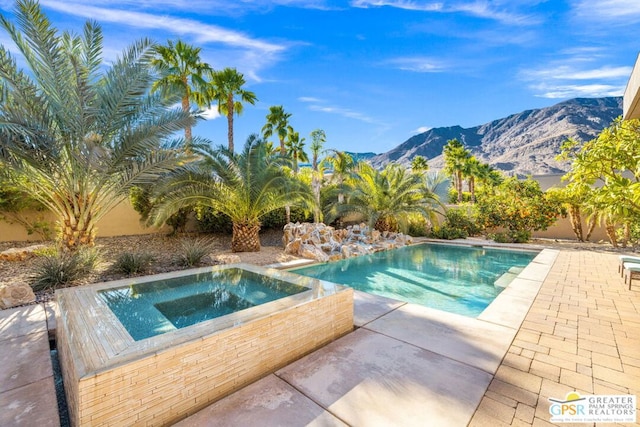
x,y
191,251
62,268
130,263
74,134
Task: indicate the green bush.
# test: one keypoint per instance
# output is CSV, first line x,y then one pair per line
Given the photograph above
x,y
459,223
452,195
130,263
192,251
511,236
417,226
62,268
210,221
277,219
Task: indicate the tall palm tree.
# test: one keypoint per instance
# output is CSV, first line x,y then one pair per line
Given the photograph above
x,y
471,169
295,149
225,86
342,164
455,158
386,198
77,135
181,72
245,186
419,164
318,138
278,123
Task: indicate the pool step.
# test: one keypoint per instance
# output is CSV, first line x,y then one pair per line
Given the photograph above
x,y
504,280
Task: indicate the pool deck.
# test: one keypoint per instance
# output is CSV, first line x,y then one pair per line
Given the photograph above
x,y
410,365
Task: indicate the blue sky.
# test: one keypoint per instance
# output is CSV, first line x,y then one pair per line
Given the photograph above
x,y
372,73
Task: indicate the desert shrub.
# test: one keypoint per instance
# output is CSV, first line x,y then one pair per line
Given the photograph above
x,y
62,268
511,236
417,226
459,223
210,221
452,195
277,219
518,206
192,251
130,263
46,251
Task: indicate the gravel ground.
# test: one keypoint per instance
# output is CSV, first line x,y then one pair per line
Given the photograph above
x,y
164,250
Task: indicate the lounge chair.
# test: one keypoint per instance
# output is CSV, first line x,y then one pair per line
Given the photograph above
x,y
626,258
631,270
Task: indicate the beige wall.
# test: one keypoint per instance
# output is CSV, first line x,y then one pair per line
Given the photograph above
x,y
123,220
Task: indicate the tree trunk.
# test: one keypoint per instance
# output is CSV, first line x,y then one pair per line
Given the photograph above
x,y
76,231
576,221
611,233
283,150
245,238
386,223
626,235
472,188
315,185
230,122
591,225
459,186
287,214
186,107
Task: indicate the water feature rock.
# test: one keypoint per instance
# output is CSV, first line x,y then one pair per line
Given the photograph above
x,y
15,294
324,243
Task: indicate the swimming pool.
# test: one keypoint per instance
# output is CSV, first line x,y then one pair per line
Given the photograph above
x,y
454,278
153,308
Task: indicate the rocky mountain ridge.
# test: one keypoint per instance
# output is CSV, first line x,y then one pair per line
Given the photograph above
x,y
525,143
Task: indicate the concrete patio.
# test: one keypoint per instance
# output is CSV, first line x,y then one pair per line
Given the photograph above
x,y
410,365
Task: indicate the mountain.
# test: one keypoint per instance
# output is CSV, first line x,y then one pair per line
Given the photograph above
x,y
524,143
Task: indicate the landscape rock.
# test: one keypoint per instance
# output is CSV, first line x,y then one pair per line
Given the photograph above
x,y
15,294
19,254
227,259
323,243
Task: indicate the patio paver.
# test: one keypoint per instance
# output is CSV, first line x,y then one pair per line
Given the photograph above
x,y
581,325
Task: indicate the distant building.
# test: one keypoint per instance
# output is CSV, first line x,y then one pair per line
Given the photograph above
x,y
631,102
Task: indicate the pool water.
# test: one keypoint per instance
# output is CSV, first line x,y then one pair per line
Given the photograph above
x,y
153,308
458,279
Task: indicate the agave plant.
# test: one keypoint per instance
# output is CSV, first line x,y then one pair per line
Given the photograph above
x,y
244,186
74,134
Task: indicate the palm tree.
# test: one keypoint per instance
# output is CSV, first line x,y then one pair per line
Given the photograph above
x,y
295,149
244,186
318,138
181,72
419,164
455,157
471,169
278,123
75,134
225,85
342,164
386,198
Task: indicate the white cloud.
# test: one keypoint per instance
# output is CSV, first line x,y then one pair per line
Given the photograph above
x,y
203,33
567,72
421,129
210,113
545,90
344,112
579,72
419,64
623,12
478,8
309,99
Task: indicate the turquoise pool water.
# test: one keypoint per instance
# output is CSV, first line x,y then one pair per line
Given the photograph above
x,y
458,279
153,308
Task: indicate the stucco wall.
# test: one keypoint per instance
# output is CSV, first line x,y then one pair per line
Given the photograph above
x,y
123,220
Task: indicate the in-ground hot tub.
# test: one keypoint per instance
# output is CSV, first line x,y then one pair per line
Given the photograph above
x,y
153,350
